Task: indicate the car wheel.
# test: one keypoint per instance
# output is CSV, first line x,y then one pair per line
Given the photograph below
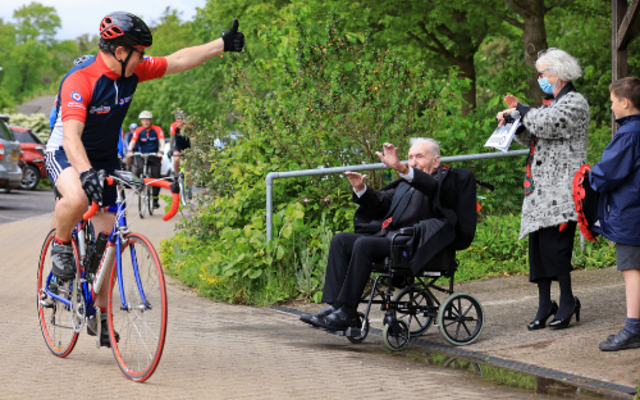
x,y
30,179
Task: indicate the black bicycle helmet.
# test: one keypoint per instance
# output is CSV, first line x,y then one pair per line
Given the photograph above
x,y
125,29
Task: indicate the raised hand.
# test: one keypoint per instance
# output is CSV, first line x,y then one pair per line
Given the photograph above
x,y
390,156
511,101
356,180
233,40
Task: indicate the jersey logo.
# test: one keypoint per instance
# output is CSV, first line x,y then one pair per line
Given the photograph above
x,y
100,110
76,96
125,100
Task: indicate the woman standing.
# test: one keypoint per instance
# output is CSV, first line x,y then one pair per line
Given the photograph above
x,y
556,133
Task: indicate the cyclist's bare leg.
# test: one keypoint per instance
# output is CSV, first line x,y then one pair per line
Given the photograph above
x,y
103,222
71,206
176,161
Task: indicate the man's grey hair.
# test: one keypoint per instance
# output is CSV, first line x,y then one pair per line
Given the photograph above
x,y
435,146
561,63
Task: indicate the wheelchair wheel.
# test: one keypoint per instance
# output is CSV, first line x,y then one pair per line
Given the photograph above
x,y
363,334
417,321
396,340
461,319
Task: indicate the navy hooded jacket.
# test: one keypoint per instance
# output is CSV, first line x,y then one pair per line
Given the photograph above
x,y
617,178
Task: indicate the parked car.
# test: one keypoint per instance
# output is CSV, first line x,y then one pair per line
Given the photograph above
x,y
10,172
33,149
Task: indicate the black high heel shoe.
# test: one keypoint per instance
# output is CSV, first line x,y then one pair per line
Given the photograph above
x,y
542,323
564,323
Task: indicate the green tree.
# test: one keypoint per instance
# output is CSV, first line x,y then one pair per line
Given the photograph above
x,y
36,22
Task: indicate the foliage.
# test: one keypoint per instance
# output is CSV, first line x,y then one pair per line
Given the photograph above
x,y
38,122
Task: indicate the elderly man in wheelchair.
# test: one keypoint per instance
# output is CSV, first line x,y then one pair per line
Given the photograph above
x,y
407,232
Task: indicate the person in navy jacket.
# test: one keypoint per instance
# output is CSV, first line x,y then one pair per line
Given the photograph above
x,y
617,178
150,139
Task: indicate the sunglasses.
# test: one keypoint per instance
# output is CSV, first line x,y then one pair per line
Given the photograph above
x,y
140,52
542,72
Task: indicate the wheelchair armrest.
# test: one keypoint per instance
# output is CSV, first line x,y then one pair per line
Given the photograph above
x,y
406,231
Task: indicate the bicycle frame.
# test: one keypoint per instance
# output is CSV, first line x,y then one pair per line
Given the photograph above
x,y
117,237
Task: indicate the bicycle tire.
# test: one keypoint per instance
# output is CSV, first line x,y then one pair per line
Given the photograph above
x,y
54,316
150,200
142,202
137,332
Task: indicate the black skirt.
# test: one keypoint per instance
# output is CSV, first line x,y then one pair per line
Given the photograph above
x,y
550,252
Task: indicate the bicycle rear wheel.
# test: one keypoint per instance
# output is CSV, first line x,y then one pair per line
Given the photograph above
x,y
140,320
54,316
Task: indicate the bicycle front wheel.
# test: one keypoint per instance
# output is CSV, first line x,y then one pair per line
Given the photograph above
x,y
142,202
54,316
137,309
150,200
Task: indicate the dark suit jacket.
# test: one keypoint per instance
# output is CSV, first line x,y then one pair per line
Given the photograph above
x,y
442,212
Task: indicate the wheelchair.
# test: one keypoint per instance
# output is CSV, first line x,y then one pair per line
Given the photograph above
x,y
414,308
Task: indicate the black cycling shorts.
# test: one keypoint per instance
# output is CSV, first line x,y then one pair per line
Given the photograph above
x,y
57,161
181,143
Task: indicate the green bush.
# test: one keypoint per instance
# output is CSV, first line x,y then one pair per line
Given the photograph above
x,y
316,95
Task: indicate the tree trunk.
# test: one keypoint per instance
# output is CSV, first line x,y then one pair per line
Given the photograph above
x,y
534,39
468,70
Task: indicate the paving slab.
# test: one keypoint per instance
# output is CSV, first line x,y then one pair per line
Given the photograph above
x,y
510,303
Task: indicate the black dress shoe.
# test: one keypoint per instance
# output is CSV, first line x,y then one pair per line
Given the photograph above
x,y
542,323
564,323
322,313
336,321
621,341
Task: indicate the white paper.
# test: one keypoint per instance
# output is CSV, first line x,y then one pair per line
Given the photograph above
x,y
502,137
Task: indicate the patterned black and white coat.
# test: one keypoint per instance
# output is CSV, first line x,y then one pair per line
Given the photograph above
x,y
562,129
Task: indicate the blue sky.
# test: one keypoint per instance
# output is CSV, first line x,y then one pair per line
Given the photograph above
x,y
83,16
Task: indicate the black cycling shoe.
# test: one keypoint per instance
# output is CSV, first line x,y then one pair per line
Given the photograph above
x,y
92,326
156,204
62,261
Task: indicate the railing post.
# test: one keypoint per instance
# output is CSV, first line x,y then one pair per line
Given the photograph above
x,y
270,177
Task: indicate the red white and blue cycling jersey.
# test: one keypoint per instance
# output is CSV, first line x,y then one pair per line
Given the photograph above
x,y
148,139
93,94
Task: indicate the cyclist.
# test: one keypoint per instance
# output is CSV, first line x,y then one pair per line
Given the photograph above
x,y
127,140
94,98
151,140
179,142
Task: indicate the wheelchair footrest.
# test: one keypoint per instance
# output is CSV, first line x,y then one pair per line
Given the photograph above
x,y
351,332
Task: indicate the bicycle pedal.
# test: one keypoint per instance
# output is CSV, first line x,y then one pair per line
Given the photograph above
x,y
46,304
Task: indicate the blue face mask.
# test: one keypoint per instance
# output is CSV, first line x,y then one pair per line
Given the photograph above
x,y
546,86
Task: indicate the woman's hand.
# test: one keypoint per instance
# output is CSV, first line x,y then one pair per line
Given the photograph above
x,y
511,101
500,116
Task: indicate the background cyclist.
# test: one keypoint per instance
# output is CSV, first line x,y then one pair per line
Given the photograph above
x,y
127,140
179,142
93,100
150,139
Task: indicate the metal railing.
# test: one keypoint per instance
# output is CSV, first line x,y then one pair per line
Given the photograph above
x,y
272,176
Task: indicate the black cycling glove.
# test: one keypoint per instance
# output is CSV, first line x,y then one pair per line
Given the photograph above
x,y
91,185
233,40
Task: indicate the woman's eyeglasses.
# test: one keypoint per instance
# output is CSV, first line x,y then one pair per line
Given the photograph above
x,y
542,72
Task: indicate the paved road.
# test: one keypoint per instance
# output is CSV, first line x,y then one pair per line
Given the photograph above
x,y
213,351
22,204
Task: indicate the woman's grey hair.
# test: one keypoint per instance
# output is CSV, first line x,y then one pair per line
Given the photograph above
x,y
435,146
562,65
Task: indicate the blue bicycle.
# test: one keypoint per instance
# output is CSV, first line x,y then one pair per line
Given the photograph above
x,y
137,298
